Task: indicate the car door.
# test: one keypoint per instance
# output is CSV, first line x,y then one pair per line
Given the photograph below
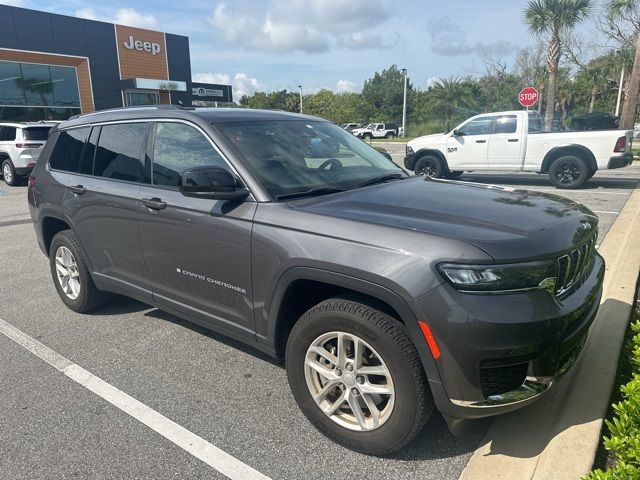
x,y
101,199
505,145
197,250
467,147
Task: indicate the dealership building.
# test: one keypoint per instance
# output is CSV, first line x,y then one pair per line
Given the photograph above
x,y
54,66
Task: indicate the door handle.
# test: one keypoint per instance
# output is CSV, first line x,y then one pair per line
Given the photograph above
x,y
481,141
512,140
154,203
78,189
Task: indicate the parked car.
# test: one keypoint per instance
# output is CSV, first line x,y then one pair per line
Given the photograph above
x,y
514,141
388,295
376,130
20,146
350,126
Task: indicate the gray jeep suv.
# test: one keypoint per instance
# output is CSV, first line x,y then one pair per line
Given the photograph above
x,y
387,295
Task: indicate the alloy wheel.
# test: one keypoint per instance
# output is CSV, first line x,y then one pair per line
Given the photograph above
x,y
7,173
349,381
67,272
567,173
427,168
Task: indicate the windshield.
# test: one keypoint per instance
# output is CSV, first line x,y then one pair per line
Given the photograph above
x,y
36,133
294,156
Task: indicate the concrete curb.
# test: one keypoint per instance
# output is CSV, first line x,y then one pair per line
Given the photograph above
x,y
557,437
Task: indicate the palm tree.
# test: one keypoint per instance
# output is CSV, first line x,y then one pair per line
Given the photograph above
x,y
448,95
624,9
554,17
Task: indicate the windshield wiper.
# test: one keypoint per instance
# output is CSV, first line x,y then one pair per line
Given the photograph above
x,y
312,191
381,178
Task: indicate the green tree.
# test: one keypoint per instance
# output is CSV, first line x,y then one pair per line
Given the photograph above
x,y
384,92
554,18
448,96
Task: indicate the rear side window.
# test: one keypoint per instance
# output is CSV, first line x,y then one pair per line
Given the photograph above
x,y
7,134
37,133
119,152
67,151
506,124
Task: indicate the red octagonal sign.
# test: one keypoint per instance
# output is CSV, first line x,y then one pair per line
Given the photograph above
x,y
528,97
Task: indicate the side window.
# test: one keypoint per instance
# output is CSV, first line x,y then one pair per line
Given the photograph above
x,y
477,126
67,151
178,147
120,147
506,124
7,134
90,152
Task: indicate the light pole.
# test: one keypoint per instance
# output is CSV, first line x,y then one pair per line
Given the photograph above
x,y
300,87
404,104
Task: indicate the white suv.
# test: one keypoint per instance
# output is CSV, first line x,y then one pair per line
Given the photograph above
x,y
20,146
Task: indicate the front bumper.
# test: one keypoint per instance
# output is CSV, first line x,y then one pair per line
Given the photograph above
x,y
410,161
501,352
620,161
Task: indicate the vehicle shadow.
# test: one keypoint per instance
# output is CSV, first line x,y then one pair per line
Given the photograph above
x,y
576,400
543,181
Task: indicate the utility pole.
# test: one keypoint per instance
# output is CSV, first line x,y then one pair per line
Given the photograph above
x,y
404,105
620,91
300,87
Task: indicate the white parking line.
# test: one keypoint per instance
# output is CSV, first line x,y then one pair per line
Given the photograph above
x,y
559,192
221,461
605,212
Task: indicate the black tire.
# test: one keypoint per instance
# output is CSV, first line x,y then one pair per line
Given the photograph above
x,y
367,136
387,336
390,135
455,174
591,173
568,172
89,297
9,173
430,166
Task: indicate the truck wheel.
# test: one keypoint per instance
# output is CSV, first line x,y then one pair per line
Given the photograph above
x,y
591,173
367,136
455,174
71,276
430,166
9,173
357,376
389,135
568,172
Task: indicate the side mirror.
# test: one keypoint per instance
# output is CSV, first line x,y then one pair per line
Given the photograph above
x,y
211,182
456,133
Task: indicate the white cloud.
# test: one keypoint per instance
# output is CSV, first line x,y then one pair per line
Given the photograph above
x,y
14,3
88,13
133,18
431,82
242,84
123,16
300,25
344,86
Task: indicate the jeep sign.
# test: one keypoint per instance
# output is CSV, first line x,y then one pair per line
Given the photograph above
x,y
133,44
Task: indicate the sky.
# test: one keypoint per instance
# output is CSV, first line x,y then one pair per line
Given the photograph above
x,y
269,45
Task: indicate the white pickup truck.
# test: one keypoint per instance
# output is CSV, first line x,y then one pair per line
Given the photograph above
x,y
376,130
514,141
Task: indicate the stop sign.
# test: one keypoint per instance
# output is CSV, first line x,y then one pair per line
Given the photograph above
x,y
528,97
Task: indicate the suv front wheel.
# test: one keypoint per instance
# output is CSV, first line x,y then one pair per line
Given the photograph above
x,y
357,376
71,275
9,173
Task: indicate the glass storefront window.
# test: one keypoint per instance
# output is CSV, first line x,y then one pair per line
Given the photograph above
x,y
11,91
136,99
31,92
36,81
65,86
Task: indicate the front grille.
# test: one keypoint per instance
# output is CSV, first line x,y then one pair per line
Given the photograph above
x,y
497,380
573,265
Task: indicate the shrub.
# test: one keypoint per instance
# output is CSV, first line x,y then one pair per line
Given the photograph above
x,y
623,440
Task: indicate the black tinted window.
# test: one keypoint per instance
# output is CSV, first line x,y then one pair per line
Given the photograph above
x,y
68,150
37,133
506,124
178,147
477,126
7,134
119,151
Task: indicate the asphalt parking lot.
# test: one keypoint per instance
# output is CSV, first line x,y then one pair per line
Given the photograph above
x,y
229,395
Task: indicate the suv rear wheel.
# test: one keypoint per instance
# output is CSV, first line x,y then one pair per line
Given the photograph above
x,y
71,276
9,173
357,376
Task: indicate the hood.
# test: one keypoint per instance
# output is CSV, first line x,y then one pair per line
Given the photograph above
x,y
508,224
433,136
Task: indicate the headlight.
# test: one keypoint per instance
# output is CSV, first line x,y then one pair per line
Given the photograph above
x,y
501,278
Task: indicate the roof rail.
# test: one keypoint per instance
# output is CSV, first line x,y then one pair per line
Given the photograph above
x,y
140,107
